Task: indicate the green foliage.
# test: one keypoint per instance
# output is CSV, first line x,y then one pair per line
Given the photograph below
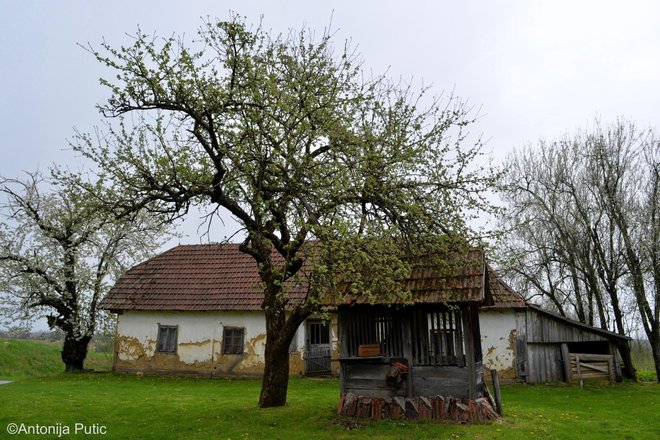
x,y
647,376
164,408
288,135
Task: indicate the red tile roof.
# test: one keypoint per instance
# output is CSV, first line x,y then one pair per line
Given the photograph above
x,y
192,277
218,277
457,277
504,296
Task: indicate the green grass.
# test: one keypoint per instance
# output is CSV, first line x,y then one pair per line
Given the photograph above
x,y
183,408
24,358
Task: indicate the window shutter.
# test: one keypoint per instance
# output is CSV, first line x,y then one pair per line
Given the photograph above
x,y
171,346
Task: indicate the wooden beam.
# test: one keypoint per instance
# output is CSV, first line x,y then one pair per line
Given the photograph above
x,y
566,362
468,332
496,390
406,324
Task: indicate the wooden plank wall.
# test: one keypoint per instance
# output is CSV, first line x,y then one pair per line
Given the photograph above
x,y
544,363
544,329
445,381
368,379
521,345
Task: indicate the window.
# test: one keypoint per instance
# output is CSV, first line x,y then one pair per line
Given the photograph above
x,y
167,335
442,343
319,333
232,340
366,324
438,336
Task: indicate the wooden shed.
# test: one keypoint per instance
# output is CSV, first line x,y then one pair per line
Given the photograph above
x,y
420,359
527,343
553,348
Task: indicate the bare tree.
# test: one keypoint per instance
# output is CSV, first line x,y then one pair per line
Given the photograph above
x,y
581,226
58,254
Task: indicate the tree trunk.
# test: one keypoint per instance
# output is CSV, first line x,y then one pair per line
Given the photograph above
x,y
275,381
655,349
74,352
629,371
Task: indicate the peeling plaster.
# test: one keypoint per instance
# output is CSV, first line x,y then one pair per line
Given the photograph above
x,y
498,330
199,348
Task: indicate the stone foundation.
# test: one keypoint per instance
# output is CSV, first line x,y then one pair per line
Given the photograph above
x,y
413,408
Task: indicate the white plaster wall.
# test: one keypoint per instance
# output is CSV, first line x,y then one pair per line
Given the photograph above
x,y
199,333
498,338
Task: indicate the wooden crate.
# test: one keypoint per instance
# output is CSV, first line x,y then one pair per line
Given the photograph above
x,y
368,350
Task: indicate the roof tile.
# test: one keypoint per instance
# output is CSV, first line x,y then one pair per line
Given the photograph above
x,y
217,277
193,277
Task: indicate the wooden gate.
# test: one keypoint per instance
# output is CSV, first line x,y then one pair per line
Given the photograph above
x,y
591,366
318,352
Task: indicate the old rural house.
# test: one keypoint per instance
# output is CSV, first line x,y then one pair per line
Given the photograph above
x,y
526,343
196,310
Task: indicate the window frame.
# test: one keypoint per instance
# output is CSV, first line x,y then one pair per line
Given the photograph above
x,y
165,330
229,342
319,332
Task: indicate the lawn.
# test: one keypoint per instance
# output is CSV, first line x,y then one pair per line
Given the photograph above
x,y
133,407
21,358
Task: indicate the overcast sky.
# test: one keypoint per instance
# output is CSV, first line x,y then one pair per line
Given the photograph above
x,y
536,69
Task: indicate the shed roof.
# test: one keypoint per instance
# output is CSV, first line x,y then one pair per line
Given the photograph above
x,y
605,333
504,297
451,277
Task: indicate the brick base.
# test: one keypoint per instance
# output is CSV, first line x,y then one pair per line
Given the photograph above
x,y
413,408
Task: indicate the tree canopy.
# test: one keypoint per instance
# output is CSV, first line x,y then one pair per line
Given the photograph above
x,y
287,134
59,253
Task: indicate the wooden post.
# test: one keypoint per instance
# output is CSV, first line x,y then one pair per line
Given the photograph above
x,y
496,389
577,367
468,335
406,326
115,345
566,362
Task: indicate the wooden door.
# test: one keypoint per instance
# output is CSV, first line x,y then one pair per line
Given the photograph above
x,y
318,350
